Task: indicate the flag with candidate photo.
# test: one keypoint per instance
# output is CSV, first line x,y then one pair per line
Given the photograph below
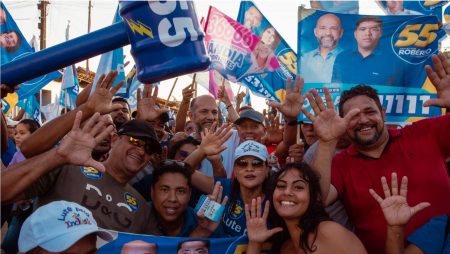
x,y
417,7
16,46
340,6
112,61
270,85
234,50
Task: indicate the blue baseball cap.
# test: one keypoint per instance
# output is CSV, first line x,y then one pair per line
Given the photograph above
x,y
250,115
57,226
251,148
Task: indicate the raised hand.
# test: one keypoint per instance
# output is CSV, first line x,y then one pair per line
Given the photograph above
x,y
76,147
274,134
204,224
296,152
293,102
440,78
223,96
188,92
101,100
395,207
256,220
147,109
212,141
328,125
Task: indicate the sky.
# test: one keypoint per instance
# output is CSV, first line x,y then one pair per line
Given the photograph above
x,y
281,13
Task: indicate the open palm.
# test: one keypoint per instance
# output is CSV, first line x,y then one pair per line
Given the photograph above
x,y
396,209
440,78
256,220
292,105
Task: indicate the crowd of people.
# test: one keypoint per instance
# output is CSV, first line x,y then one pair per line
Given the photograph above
x,y
102,167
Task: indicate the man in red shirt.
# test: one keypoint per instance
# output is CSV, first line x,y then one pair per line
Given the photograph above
x,y
417,151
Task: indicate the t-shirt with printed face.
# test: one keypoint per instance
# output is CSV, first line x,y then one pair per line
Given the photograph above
x,y
113,205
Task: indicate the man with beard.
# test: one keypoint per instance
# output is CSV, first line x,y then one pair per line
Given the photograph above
x,y
368,63
316,66
417,151
120,115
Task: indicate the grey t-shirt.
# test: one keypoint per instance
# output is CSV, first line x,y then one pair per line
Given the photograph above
x,y
114,206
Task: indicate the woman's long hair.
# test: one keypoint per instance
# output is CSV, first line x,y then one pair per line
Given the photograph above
x,y
310,220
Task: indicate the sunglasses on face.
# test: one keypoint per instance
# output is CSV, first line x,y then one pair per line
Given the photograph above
x,y
183,154
141,143
172,162
244,163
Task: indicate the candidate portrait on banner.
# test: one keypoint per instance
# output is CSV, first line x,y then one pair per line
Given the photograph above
x,y
386,52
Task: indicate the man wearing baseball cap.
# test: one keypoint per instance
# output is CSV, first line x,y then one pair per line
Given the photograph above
x,y
61,226
68,172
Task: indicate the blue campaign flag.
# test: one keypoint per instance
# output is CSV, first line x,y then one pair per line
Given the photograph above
x,y
15,46
351,7
270,85
417,7
31,106
247,99
69,88
392,58
110,61
447,14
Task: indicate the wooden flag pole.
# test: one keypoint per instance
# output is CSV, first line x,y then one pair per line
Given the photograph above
x,y
194,84
171,91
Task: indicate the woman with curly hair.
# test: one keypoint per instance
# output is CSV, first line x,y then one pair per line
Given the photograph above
x,y
298,218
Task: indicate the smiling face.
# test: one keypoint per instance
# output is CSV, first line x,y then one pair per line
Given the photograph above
x,y
250,130
252,18
9,39
291,195
268,36
250,172
366,129
328,31
204,111
128,157
170,196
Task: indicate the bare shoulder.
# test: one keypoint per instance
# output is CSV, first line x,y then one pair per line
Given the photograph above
x,y
334,236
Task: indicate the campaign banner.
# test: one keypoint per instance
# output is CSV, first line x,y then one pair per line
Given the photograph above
x,y
270,85
417,7
215,81
125,243
13,45
69,88
447,14
388,52
31,106
234,50
112,61
349,7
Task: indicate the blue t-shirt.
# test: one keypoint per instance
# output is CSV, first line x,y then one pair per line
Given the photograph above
x,y
431,238
378,68
233,220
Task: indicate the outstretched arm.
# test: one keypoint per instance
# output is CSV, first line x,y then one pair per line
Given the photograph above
x,y
397,212
440,78
75,148
291,108
48,135
329,127
212,144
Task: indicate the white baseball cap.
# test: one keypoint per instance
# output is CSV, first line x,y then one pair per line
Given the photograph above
x,y
251,148
57,226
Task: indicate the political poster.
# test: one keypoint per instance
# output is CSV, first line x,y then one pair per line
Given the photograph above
x,y
417,7
386,52
273,83
341,6
234,50
125,243
13,45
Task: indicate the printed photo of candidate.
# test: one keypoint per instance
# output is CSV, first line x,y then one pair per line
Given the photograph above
x,y
194,247
316,66
396,7
139,247
252,18
10,40
2,16
368,61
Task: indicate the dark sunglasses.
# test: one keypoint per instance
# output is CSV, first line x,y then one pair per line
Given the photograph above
x,y
172,162
244,163
141,143
183,154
